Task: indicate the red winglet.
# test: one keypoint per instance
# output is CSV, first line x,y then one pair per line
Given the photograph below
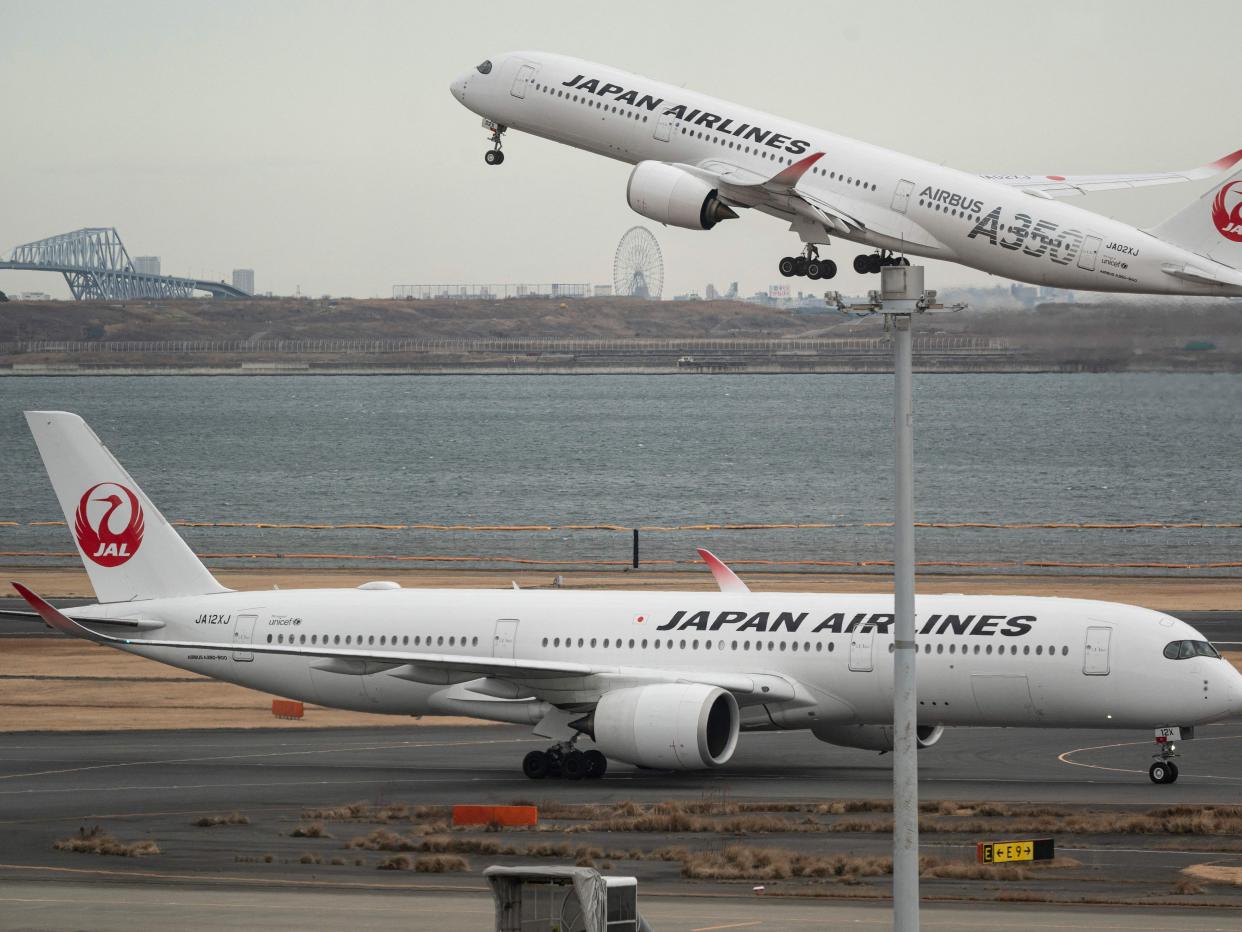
x,y
52,616
726,579
790,175
1227,161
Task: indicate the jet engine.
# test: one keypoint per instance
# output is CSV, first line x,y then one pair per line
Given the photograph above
x,y
873,737
666,726
668,194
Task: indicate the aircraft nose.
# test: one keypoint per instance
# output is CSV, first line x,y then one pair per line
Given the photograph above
x,y
458,89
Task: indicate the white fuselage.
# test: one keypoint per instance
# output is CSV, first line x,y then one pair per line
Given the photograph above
x,y
908,205
983,660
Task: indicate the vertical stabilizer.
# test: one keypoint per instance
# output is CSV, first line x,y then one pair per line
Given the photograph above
x,y
128,549
1211,226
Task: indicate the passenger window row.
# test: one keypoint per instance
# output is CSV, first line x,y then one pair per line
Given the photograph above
x,y
591,102
695,644
350,640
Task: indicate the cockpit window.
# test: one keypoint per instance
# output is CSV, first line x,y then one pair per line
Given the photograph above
x,y
1183,650
485,67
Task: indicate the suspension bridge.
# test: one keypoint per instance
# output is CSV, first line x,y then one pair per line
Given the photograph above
x,y
97,267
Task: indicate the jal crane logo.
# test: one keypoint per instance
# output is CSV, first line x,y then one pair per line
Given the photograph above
x,y
1227,217
103,507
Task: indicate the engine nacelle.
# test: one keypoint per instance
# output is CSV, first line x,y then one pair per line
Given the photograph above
x,y
668,194
873,737
667,726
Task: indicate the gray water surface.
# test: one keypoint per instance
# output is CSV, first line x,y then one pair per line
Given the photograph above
x,y
662,450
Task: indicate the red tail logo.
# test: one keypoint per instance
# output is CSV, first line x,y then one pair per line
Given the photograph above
x,y
97,538
1228,219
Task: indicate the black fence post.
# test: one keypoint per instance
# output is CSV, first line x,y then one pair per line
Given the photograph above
x,y
635,548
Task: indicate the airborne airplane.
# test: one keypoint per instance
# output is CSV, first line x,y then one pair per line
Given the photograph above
x,y
662,680
699,160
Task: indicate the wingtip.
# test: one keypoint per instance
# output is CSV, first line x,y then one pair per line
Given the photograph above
x,y
1227,161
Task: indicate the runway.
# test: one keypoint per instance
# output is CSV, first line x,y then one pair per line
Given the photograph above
x,y
154,784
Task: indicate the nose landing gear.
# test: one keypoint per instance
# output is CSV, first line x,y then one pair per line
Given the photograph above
x,y
494,156
1164,770
808,264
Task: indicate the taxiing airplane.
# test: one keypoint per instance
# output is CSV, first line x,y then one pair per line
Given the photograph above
x,y
699,160
663,680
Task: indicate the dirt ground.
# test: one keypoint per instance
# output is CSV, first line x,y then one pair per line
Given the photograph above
x,y
49,684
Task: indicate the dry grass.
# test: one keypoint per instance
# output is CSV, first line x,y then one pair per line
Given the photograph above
x,y
462,844
97,841
363,811
1186,886
438,864
1215,873
312,830
309,858
232,818
737,862
963,870
384,840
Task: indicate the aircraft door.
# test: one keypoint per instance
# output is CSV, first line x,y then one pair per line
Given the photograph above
x,y
522,81
243,635
1090,250
1095,659
505,638
860,651
901,196
664,127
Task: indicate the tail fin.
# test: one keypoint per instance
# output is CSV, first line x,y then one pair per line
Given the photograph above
x,y
129,550
1211,226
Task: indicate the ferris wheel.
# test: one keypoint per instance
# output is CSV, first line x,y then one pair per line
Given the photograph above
x,y
638,267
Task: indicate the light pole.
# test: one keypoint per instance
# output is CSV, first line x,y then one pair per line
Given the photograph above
x,y
900,297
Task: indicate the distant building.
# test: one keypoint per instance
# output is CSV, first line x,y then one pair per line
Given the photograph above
x,y
147,265
35,296
603,291
778,291
691,296
243,279
731,294
710,292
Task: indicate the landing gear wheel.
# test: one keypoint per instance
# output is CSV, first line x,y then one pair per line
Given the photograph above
x,y
800,264
860,265
574,767
874,264
493,157
596,764
1163,772
827,269
814,269
786,266
535,765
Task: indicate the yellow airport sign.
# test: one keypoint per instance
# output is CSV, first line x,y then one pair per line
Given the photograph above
x,y
1004,852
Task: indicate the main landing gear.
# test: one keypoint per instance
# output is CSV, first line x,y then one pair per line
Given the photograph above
x,y
1164,770
564,760
872,264
808,264
495,156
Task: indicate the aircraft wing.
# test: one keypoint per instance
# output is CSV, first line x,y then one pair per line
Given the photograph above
x,y
780,193
445,669
1072,185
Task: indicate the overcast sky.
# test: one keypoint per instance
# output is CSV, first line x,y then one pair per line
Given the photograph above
x,y
317,142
